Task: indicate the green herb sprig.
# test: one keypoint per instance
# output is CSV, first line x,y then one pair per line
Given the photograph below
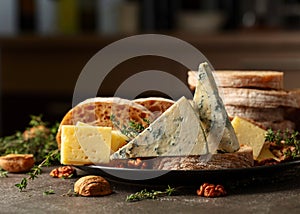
x,y
132,130
37,139
37,169
3,173
285,138
71,193
49,192
145,194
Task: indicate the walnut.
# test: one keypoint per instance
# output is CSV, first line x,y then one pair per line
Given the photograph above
x,y
63,172
137,164
211,190
17,162
92,185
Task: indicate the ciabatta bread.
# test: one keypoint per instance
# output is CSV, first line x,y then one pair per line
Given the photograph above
x,y
97,111
156,105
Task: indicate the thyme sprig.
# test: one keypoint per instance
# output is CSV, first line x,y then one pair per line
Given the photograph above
x,y
132,130
70,193
285,138
37,169
3,173
145,194
49,192
37,139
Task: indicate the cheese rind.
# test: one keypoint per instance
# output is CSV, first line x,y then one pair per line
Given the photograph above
x,y
177,132
85,144
249,134
212,113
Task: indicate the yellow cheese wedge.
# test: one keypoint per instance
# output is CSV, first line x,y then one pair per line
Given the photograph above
x,y
117,138
85,145
266,154
249,134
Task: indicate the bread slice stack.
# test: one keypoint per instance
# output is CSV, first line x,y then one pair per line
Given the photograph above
x,y
256,95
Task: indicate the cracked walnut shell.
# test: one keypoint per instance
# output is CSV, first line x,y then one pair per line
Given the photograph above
x,y
92,185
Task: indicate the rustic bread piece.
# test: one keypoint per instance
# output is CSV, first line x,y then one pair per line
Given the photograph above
x,y
97,111
277,125
258,98
256,114
243,79
156,105
292,114
296,94
243,158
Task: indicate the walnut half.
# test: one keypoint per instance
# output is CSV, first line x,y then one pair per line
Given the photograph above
x,y
92,185
63,172
17,162
211,190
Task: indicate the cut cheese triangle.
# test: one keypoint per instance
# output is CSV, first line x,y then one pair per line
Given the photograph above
x,y
117,138
249,134
177,132
85,144
212,113
266,154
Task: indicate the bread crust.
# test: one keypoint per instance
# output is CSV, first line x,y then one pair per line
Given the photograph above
x,y
256,114
250,79
243,158
258,98
243,79
156,105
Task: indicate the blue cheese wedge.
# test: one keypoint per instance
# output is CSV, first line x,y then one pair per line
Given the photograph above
x,y
212,113
177,132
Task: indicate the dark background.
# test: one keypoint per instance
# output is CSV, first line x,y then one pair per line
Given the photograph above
x,y
40,63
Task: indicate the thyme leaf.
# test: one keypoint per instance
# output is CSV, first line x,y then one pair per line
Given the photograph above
x,y
49,192
37,169
145,194
3,173
132,129
285,138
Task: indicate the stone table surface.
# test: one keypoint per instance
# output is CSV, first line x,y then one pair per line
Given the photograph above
x,y
279,197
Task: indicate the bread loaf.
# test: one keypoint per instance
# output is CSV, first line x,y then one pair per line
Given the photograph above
x,y
243,79
243,158
97,111
258,98
277,125
256,114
